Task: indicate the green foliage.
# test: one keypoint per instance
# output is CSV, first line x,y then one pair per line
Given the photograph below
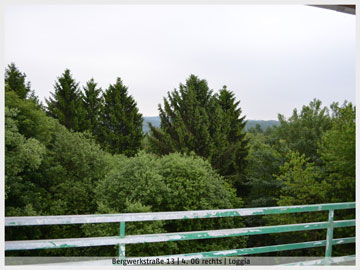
x,y
121,122
193,119
74,172
31,121
256,129
187,120
232,160
169,183
263,162
303,131
45,149
22,156
51,170
261,188
65,104
15,81
337,151
50,173
302,183
333,180
336,173
263,124
28,131
93,105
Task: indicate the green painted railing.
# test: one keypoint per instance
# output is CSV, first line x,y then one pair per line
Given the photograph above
x,y
122,240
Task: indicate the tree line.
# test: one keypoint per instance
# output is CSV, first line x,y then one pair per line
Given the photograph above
x,y
84,152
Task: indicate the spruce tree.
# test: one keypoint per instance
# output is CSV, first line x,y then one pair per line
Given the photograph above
x,y
186,120
65,104
195,120
92,104
233,160
15,81
121,123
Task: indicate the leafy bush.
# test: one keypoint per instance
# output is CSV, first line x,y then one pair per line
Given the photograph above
x,y
174,182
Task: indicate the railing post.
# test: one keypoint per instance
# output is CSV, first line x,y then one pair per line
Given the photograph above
x,y
329,237
122,246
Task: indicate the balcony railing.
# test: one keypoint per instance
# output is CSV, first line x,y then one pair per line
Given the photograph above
x,y
122,240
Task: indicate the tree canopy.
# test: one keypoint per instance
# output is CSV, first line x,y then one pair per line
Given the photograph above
x,y
194,119
65,104
174,182
303,131
121,123
15,81
92,99
86,154
329,181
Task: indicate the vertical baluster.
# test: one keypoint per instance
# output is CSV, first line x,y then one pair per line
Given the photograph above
x,y
329,237
122,246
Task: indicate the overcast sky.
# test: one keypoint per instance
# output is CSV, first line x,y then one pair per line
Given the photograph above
x,y
274,58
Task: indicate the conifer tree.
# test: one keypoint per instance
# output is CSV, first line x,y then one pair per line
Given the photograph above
x,y
121,123
193,119
186,120
233,159
65,104
92,104
15,81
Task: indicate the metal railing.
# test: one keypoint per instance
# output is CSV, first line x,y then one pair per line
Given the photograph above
x,y
122,240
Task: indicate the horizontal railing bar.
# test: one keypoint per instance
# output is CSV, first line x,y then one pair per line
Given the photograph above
x,y
331,260
105,218
254,250
151,238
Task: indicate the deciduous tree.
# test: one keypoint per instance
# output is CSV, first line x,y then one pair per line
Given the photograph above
x,y
173,182
303,131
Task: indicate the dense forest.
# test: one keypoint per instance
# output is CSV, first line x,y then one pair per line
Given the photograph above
x,y
84,152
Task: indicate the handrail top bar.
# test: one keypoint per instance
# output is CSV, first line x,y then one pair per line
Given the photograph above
x,y
151,216
172,236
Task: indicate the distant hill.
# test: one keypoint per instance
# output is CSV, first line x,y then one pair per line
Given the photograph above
x,y
154,120
264,124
